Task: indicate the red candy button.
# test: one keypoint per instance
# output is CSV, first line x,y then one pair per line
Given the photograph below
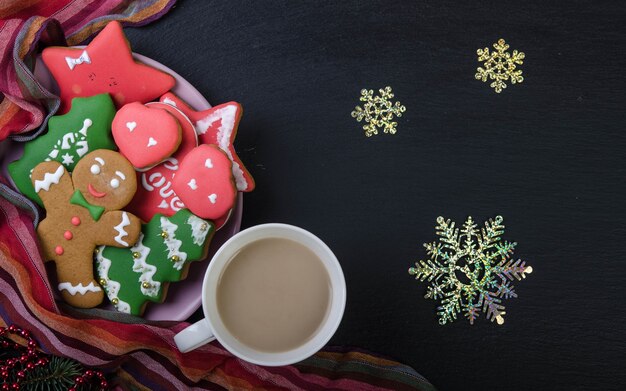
x,y
59,250
68,235
75,220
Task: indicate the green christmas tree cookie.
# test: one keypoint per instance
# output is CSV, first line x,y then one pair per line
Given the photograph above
x,y
133,276
85,128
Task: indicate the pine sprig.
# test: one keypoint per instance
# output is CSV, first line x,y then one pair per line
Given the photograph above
x,y
58,375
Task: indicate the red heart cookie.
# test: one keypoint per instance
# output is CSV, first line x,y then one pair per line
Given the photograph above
x,y
145,135
204,182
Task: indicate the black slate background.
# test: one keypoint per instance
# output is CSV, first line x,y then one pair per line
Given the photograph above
x,y
548,155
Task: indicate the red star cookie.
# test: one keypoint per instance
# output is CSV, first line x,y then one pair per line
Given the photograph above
x,y
105,65
218,125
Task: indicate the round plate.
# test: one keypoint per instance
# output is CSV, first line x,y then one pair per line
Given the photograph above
x,y
184,297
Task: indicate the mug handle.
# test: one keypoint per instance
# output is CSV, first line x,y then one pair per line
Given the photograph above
x,y
194,336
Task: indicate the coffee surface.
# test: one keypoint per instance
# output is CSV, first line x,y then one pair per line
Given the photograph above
x,y
273,295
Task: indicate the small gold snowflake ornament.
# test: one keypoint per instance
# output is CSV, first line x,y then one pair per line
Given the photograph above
x,y
378,111
500,66
470,270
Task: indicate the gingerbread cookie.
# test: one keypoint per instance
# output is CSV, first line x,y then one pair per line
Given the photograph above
x,y
82,213
132,277
86,127
154,190
145,135
204,182
105,65
218,125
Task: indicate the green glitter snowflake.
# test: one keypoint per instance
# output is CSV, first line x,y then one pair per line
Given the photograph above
x,y
378,111
470,269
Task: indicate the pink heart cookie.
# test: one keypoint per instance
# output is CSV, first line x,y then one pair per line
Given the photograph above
x,y
154,191
144,135
204,182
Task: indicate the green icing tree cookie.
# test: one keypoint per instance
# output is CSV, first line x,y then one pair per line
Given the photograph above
x,y
133,276
85,128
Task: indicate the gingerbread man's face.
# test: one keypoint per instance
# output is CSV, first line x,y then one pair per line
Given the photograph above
x,y
105,178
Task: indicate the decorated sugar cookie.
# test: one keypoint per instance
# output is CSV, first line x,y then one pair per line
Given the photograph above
x,y
86,127
154,188
105,65
83,211
131,277
218,125
204,182
145,135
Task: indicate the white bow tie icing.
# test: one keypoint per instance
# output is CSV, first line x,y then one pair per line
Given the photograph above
x,y
83,58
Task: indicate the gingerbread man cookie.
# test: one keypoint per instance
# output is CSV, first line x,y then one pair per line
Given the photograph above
x,y
83,211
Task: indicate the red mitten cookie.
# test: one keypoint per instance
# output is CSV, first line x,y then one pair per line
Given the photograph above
x,y
105,65
145,135
218,125
204,182
154,190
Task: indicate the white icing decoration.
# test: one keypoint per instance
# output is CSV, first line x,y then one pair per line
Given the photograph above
x,y
67,159
115,183
192,184
208,163
131,125
99,160
163,204
82,148
228,115
120,229
83,58
176,204
49,179
147,271
53,154
67,141
173,244
151,142
164,192
112,287
197,232
80,288
86,125
121,175
213,198
95,169
171,163
169,102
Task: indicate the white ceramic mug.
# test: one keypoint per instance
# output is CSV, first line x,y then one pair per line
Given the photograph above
x,y
212,326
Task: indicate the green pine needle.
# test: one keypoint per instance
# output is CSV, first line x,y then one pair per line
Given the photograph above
x,y
57,375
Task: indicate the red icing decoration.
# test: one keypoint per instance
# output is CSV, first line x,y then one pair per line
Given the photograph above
x,y
145,135
107,67
75,220
68,235
204,182
218,125
59,250
92,190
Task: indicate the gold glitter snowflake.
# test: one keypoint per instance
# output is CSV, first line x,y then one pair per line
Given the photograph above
x,y
378,111
500,66
470,269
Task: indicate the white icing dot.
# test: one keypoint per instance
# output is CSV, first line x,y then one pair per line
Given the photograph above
x,y
95,169
115,183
